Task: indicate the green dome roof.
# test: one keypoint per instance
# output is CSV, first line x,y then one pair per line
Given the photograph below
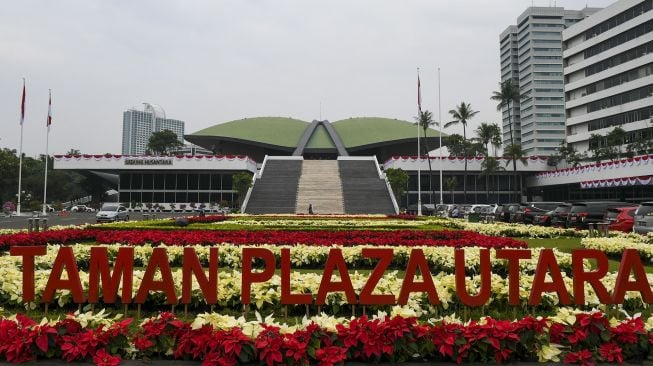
x,y
364,131
278,131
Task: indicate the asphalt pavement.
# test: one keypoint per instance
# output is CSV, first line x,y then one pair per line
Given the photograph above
x,y
76,218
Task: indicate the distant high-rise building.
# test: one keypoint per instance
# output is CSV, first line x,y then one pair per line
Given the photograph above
x,y
531,56
609,75
138,126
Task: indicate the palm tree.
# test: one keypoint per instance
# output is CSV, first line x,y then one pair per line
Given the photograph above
x,y
461,115
425,120
489,166
488,134
506,96
514,152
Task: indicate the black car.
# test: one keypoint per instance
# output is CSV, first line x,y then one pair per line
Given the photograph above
x,y
584,213
559,215
543,218
506,212
535,208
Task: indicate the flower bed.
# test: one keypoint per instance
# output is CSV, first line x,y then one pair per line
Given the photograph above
x,y
582,338
511,229
444,238
205,219
615,246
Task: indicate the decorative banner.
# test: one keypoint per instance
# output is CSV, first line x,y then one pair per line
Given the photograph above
x,y
617,182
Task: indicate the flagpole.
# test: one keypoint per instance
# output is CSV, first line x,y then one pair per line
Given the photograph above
x,y
20,150
47,141
419,161
440,118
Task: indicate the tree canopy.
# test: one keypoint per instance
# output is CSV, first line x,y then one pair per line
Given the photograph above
x,y
161,143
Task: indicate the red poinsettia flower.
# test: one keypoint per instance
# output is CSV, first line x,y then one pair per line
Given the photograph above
x,y
611,352
102,358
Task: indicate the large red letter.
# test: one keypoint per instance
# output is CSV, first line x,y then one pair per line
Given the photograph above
x,y
630,262
65,258
417,260
250,277
513,256
592,277
99,270
28,254
287,297
159,259
547,263
385,256
486,279
335,260
192,266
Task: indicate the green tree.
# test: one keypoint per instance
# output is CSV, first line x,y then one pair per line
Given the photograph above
x,y
425,121
515,152
164,141
488,134
73,152
241,183
461,115
398,180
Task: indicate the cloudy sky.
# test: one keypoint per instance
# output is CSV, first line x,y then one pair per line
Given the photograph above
x,y
207,62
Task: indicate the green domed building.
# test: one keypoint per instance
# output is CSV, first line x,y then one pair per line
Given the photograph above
x,y
279,136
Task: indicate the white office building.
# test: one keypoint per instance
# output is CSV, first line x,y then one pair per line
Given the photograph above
x,y
138,126
531,56
609,74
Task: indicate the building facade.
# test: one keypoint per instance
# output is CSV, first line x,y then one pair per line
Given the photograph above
x,y
531,56
609,75
138,126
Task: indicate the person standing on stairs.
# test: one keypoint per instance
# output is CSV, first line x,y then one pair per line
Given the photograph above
x,y
310,208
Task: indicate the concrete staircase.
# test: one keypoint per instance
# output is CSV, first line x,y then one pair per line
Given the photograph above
x,y
276,191
364,192
320,185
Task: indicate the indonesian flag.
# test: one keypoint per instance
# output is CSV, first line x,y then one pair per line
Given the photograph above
x,y
419,96
22,105
49,121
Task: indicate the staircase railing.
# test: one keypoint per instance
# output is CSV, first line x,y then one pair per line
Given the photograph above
x,y
257,175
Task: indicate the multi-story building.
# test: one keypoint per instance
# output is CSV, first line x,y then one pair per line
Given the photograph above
x,y
609,74
531,56
138,126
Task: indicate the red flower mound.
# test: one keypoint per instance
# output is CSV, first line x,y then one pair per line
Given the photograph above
x,y
455,239
446,238
393,340
206,219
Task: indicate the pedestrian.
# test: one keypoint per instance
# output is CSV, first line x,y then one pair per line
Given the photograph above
x,y
310,208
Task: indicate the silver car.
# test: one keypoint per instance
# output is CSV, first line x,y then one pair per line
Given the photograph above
x,y
112,212
644,218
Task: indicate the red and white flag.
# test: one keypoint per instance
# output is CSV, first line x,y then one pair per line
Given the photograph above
x,y
22,105
49,122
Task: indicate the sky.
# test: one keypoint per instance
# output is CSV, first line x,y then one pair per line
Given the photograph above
x,y
208,62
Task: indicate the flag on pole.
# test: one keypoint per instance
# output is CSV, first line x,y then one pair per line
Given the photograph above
x,y
49,122
22,105
419,95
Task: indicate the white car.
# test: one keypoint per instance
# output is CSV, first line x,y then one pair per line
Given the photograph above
x,y
81,208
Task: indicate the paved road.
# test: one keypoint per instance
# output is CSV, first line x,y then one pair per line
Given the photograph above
x,y
74,218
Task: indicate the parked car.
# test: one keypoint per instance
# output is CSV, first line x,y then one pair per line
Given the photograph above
x,y
559,215
535,208
81,208
506,212
582,214
621,218
644,218
112,212
543,218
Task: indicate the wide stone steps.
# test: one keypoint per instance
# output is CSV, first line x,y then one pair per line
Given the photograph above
x,y
364,192
276,191
320,186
